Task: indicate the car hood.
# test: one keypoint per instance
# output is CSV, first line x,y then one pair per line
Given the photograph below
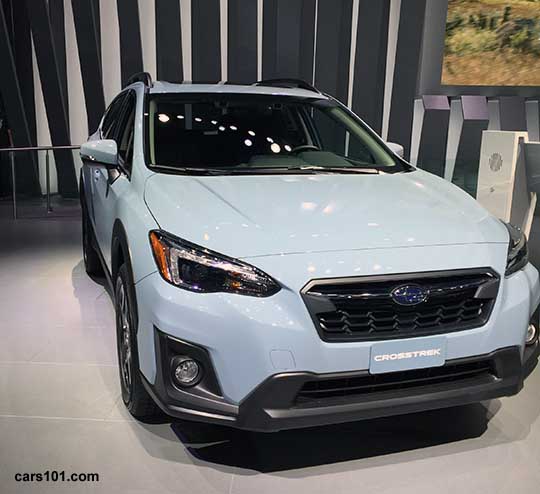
x,y
258,215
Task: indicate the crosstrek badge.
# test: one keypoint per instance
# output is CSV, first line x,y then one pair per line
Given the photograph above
x,y
398,356
416,353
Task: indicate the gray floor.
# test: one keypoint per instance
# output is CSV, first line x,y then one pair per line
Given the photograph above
x,y
60,409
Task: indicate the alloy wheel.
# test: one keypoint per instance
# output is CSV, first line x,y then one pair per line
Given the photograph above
x,y
124,337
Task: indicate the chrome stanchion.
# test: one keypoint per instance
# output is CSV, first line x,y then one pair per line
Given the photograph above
x,y
13,183
48,181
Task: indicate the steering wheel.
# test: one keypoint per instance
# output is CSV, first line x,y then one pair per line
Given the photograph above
x,y
305,147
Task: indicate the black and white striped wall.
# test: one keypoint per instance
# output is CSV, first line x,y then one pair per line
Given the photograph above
x,y
64,60
70,57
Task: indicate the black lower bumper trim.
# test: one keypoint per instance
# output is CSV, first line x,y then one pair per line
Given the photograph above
x,y
530,359
274,404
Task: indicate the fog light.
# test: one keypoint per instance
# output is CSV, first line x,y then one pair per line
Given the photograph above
x,y
532,334
186,371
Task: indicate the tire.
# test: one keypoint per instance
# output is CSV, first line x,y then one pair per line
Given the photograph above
x,y
137,400
92,262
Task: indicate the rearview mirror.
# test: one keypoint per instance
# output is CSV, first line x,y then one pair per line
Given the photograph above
x,y
396,148
102,152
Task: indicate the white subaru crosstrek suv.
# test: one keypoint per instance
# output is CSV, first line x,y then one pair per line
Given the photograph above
x,y
274,264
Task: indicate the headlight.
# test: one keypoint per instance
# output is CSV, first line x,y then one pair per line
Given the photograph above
x,y
195,268
518,252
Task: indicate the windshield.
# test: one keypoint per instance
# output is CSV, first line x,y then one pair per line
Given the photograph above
x,y
227,133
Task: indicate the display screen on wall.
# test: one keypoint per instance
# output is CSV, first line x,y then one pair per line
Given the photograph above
x,y
492,43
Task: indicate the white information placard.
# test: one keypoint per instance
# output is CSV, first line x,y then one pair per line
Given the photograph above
x,y
497,172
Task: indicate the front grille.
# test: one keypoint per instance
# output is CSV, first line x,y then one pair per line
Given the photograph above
x,y
359,309
324,392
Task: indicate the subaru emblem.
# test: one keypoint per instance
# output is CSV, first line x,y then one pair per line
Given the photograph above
x,y
409,294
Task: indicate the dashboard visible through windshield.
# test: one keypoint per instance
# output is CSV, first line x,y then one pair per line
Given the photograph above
x,y
229,133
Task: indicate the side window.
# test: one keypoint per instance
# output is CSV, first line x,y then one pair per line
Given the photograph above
x,y
111,117
125,131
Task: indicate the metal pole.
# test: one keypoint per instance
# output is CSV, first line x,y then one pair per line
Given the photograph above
x,y
48,181
13,184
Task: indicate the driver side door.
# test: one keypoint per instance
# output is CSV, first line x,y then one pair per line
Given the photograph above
x,y
110,185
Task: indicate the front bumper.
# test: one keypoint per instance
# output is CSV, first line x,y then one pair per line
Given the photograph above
x,y
251,340
304,399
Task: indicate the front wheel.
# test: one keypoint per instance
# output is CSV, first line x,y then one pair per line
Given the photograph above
x,y
135,397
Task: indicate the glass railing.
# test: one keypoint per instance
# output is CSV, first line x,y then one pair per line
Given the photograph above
x,y
29,177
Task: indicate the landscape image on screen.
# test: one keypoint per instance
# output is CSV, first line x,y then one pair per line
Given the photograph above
x,y
492,43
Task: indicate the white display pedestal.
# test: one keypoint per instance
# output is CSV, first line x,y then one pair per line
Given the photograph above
x,y
502,179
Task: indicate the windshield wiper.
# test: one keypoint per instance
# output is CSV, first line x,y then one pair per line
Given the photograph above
x,y
338,169
189,170
302,169
247,170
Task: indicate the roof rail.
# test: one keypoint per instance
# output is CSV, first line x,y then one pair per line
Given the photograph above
x,y
287,82
143,77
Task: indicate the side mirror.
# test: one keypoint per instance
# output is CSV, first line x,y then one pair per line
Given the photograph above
x,y
396,148
102,152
